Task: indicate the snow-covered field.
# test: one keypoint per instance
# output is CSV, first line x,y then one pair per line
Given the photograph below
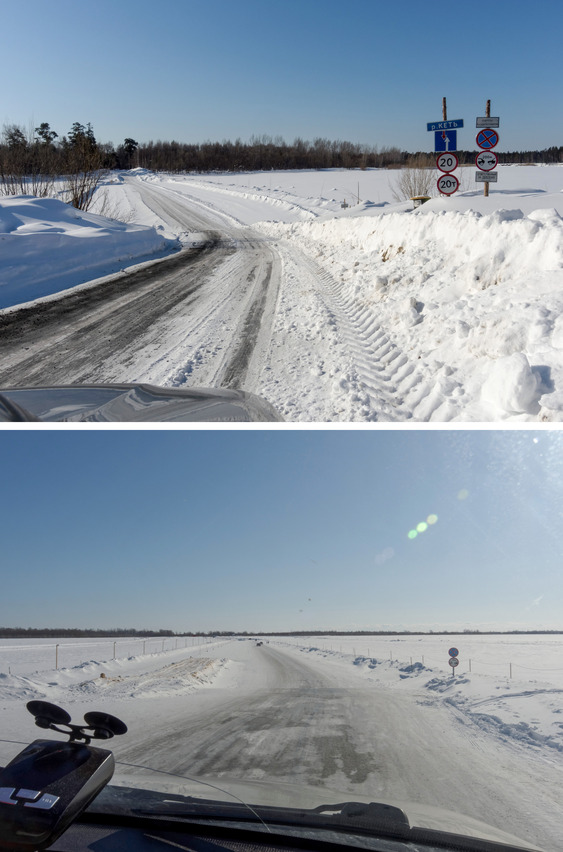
x,y
511,686
450,312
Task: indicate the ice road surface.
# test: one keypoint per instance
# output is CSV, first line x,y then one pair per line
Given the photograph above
x,y
499,713
450,312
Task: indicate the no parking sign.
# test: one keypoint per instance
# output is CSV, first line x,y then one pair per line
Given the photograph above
x,y
487,138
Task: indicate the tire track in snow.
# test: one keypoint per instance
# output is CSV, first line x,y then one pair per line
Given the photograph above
x,y
227,336
396,388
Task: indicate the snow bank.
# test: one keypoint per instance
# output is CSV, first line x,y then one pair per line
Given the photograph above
x,y
475,300
115,680
47,246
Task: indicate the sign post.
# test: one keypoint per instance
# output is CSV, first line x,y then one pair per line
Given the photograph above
x,y
487,138
453,661
445,143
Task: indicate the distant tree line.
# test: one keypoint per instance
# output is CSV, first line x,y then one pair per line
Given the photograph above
x,y
76,632
263,154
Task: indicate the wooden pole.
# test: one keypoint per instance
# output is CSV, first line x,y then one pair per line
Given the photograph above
x,y
486,184
444,110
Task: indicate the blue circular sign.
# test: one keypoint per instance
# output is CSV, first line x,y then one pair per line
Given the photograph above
x,y
453,652
487,138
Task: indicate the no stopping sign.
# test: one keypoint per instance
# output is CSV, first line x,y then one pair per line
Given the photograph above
x,y
448,184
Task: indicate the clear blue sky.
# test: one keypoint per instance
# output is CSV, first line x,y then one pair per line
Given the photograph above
x,y
368,71
273,530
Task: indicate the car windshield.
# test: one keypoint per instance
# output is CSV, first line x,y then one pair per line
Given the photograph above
x,y
297,618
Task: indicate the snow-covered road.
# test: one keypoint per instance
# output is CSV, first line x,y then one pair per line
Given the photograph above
x,y
233,711
309,722
201,313
297,716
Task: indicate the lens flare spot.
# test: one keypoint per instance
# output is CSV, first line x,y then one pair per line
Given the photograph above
x,y
431,519
422,527
463,494
412,534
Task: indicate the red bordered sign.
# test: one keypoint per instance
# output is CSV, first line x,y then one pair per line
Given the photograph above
x,y
486,161
487,138
446,162
447,184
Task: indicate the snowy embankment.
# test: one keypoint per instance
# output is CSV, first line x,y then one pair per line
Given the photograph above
x,y
102,680
510,687
47,246
474,299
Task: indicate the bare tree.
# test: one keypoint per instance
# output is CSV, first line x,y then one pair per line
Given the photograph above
x,y
417,177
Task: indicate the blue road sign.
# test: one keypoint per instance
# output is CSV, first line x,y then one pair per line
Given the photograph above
x,y
445,140
445,125
487,138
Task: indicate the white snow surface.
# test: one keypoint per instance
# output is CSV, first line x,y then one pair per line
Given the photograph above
x,y
506,693
47,246
457,306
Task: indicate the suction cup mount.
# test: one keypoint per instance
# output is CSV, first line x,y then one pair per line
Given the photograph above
x,y
99,726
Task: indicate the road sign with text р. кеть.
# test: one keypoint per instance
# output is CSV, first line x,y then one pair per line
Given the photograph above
x,y
445,125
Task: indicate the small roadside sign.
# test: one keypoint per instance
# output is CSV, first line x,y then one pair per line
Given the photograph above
x,y
453,661
487,138
445,125
486,177
453,652
486,161
446,162
445,140
448,184
483,121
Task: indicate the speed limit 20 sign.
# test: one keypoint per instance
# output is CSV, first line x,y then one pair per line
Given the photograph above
x,y
447,184
446,162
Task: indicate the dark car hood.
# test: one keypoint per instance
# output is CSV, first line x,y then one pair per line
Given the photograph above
x,y
298,804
